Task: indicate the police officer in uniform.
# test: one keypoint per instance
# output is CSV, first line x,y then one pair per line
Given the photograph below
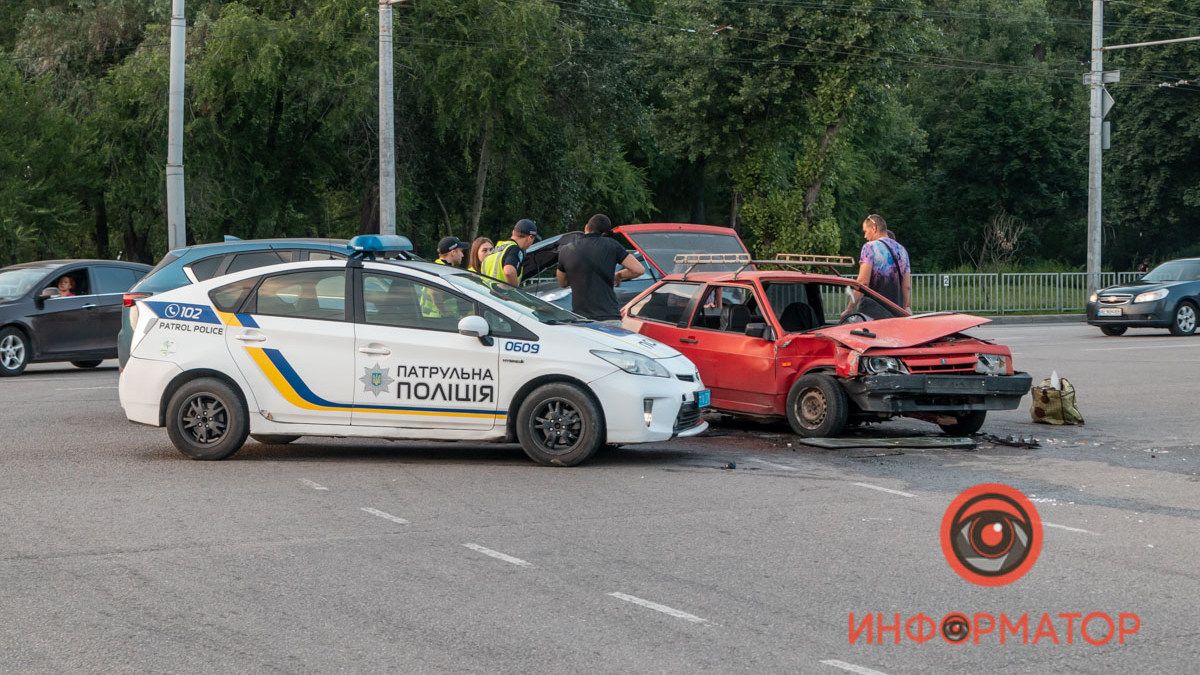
x,y
450,251
504,263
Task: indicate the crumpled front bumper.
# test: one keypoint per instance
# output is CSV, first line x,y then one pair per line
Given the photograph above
x,y
937,393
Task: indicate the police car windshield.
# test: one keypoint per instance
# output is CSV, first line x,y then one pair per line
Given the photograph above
x,y
18,282
514,298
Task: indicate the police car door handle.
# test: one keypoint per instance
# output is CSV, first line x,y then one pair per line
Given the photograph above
x,y
90,305
377,351
251,337
689,341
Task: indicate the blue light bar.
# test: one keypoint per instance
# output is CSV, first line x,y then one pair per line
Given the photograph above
x,y
379,243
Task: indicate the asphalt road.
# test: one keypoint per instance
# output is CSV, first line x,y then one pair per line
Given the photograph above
x,y
740,551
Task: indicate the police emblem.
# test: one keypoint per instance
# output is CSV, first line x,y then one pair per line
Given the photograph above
x,y
375,380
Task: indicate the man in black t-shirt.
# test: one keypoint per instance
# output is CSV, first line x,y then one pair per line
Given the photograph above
x,y
587,265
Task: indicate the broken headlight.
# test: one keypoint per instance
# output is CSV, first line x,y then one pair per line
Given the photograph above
x,y
883,365
991,364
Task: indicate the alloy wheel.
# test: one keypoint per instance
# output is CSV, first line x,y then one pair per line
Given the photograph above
x,y
12,352
205,419
558,424
1185,318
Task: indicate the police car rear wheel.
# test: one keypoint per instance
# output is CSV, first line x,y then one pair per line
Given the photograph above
x,y
86,364
273,439
14,352
559,425
817,406
206,419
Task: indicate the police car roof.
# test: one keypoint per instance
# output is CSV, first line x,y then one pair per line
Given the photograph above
x,y
426,267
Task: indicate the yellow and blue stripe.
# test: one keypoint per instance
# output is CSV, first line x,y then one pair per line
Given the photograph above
x,y
292,387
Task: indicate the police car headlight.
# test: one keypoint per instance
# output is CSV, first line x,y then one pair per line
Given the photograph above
x,y
1151,296
880,365
991,364
632,362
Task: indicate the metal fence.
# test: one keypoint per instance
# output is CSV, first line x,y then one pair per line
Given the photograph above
x,y
1008,293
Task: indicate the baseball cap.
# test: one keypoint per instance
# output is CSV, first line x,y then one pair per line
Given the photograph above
x,y
526,226
448,244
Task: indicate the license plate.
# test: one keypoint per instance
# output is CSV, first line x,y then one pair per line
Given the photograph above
x,y
703,398
1109,311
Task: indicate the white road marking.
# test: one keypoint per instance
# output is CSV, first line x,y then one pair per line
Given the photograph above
x,y
1068,529
385,516
852,668
26,379
498,555
312,484
84,388
658,608
887,490
1121,349
773,465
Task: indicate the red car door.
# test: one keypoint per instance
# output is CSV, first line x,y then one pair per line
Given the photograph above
x,y
739,368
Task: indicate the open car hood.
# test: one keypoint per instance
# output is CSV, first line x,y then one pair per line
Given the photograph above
x,y
900,333
544,254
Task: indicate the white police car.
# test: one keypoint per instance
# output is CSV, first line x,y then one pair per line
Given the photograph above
x,y
396,350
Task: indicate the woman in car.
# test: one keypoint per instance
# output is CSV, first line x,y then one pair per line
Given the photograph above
x,y
66,286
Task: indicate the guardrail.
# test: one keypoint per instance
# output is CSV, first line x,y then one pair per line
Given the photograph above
x,y
1008,293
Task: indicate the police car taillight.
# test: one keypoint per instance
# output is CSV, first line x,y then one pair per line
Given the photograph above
x,y
129,299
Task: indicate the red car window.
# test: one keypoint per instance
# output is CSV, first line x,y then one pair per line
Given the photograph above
x,y
668,303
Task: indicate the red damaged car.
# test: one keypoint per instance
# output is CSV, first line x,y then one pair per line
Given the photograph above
x,y
780,342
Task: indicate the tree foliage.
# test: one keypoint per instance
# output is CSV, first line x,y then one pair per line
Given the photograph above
x,y
787,120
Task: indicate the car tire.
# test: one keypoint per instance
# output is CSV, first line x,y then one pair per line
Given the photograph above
x,y
1183,322
1114,330
207,419
14,352
559,424
817,406
967,424
274,439
86,364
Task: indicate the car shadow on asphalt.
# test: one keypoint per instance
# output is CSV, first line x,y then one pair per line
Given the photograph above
x,y
322,450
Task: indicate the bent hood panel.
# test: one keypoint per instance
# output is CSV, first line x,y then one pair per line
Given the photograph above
x,y
902,332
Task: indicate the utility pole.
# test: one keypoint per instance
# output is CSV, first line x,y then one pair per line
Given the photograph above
x,y
1095,147
176,213
1098,133
387,127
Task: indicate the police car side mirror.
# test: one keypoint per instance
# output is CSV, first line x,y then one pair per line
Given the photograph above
x,y
476,327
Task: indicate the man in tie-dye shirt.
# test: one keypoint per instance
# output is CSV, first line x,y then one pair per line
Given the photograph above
x,y
883,265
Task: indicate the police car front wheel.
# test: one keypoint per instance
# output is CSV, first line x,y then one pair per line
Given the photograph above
x,y
558,424
206,419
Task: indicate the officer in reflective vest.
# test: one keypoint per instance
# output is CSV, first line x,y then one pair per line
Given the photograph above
x,y
450,253
504,262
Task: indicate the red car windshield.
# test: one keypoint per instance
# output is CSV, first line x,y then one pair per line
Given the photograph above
x,y
662,247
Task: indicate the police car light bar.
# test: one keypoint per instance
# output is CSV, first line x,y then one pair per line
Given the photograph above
x,y
370,244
